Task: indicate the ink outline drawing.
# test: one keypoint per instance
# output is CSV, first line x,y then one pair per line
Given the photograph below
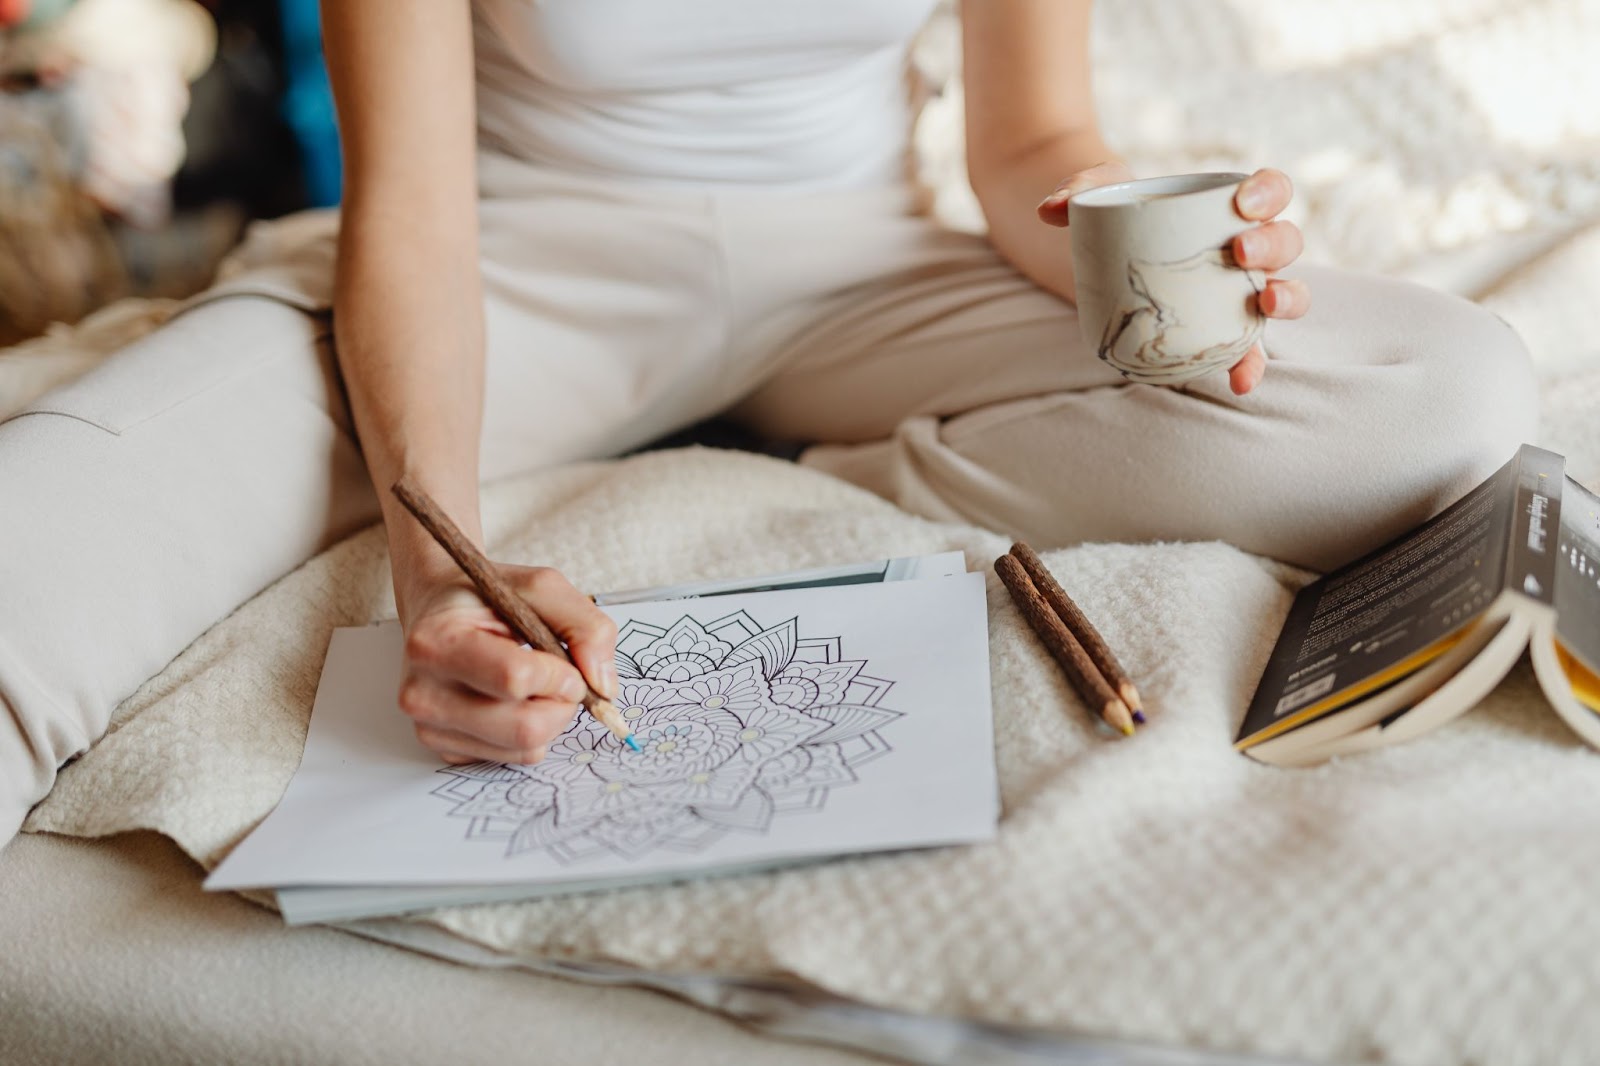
x,y
739,724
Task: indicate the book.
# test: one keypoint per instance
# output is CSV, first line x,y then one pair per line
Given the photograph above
x,y
827,713
1417,632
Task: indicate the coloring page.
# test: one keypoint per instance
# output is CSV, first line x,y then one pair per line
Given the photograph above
x,y
773,726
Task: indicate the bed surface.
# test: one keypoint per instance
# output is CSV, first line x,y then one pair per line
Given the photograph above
x,y
111,953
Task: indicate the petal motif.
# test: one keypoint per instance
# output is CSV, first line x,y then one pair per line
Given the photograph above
x,y
588,799
774,729
849,720
491,801
805,768
543,831
740,691
675,742
720,786
824,683
685,650
639,833
772,648
637,698
753,812
574,753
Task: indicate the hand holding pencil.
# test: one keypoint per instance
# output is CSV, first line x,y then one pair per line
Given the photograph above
x,y
471,692
1072,640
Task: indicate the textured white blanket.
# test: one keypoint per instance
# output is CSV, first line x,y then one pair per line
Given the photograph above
x,y
1431,904
1428,904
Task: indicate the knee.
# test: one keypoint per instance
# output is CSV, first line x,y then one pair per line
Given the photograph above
x,y
1416,397
1475,396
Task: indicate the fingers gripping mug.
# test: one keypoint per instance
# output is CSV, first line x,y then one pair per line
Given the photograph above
x,y
1159,296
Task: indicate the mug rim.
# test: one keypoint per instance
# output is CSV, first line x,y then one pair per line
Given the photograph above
x,y
1165,187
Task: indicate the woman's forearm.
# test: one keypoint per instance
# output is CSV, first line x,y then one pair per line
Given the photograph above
x,y
1030,123
1010,192
408,326
408,305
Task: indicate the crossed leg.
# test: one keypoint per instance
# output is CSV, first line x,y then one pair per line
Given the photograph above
x,y
957,389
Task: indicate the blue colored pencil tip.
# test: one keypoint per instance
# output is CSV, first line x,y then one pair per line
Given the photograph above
x,y
634,744
1138,716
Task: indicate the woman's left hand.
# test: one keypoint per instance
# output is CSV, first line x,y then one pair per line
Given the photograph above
x,y
1269,247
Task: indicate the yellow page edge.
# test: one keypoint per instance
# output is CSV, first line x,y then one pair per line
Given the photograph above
x,y
1412,663
1585,683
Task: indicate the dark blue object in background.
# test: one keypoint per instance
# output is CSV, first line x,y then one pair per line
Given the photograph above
x,y
308,103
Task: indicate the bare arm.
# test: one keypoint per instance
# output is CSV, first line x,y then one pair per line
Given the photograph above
x,y
408,308
1030,122
408,326
1033,140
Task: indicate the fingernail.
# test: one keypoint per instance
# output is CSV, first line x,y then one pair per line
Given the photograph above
x,y
573,689
1055,199
608,680
1249,246
1252,198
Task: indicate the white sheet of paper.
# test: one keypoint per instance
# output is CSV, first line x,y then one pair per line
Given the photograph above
x,y
302,904
776,726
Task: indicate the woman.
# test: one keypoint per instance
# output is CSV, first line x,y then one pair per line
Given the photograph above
x,y
671,210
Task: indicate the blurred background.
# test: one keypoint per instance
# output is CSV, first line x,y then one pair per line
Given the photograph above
x,y
138,137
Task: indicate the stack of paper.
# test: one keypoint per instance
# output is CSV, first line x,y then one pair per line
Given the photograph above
x,y
831,713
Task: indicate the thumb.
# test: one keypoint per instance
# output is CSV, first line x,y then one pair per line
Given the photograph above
x,y
588,632
1053,209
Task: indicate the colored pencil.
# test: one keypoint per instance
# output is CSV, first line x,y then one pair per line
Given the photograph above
x,y
1068,653
1081,627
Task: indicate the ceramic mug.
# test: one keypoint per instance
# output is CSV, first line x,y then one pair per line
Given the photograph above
x,y
1159,296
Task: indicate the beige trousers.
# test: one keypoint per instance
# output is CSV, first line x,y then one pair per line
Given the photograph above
x,y
144,502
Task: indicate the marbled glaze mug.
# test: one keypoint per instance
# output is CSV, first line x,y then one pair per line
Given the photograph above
x,y
1159,296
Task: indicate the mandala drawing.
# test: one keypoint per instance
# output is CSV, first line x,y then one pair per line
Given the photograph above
x,y
738,725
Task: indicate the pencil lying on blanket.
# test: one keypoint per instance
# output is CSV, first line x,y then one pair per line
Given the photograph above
x,y
1093,643
1064,630
515,611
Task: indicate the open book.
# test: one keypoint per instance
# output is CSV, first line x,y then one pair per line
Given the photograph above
x,y
783,719
1415,633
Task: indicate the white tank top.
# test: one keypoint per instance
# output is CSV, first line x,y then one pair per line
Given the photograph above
x,y
782,93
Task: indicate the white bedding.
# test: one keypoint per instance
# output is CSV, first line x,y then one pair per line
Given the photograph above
x,y
1424,905
1427,903
114,957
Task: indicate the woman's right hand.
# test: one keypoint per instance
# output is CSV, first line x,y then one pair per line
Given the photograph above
x,y
474,692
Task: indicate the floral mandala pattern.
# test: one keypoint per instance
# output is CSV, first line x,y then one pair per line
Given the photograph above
x,y
738,724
